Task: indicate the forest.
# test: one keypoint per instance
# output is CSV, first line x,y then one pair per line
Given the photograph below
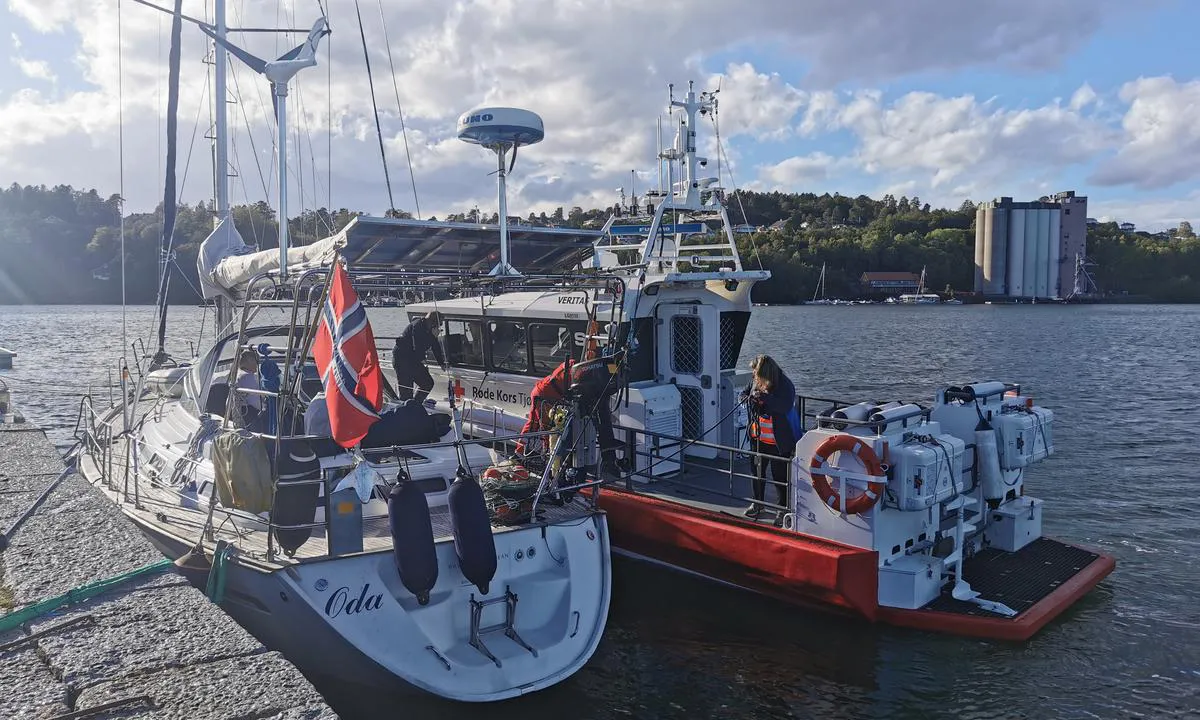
x,y
62,246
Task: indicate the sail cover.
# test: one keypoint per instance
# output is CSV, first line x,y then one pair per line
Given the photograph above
x,y
391,243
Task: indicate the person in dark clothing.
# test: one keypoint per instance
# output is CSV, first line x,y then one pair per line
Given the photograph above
x,y
774,430
413,380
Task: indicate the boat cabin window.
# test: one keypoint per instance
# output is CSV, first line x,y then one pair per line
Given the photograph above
x,y
552,343
464,343
508,345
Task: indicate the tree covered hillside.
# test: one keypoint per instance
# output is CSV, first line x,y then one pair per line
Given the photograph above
x,y
61,245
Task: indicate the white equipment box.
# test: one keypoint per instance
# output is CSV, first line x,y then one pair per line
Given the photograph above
x,y
655,408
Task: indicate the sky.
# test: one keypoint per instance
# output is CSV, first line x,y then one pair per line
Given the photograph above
x,y
942,99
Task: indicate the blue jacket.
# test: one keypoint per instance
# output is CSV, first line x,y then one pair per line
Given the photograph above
x,y
780,406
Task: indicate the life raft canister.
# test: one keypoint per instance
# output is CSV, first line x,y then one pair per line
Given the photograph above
x,y
865,455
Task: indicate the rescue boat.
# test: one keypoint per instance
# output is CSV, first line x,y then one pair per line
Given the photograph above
x,y
908,512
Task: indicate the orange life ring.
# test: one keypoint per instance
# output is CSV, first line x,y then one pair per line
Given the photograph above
x,y
866,455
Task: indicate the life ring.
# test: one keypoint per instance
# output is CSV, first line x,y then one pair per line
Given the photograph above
x,y
865,455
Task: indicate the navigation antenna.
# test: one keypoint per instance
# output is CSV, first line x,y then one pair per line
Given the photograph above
x,y
500,130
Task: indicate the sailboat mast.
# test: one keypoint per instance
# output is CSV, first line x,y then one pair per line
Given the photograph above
x,y
169,209
224,307
220,119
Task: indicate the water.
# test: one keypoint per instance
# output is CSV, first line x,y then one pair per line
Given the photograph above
x,y
1122,383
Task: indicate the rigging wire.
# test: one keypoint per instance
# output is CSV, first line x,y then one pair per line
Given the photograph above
x,y
729,167
403,131
187,163
121,163
378,130
328,121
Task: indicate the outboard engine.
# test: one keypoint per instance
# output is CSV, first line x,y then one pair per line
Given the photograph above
x,y
412,538
472,528
296,494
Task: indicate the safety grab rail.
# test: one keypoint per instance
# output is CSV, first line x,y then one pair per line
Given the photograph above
x,y
679,456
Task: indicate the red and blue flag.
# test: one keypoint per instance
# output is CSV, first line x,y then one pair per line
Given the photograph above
x,y
348,361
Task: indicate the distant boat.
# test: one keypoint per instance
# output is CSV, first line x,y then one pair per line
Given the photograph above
x,y
820,291
920,297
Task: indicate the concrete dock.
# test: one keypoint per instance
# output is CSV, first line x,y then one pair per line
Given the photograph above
x,y
153,647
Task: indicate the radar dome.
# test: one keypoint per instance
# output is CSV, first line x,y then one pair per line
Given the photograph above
x,y
500,127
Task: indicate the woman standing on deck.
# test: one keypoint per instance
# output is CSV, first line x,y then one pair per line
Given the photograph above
x,y
774,430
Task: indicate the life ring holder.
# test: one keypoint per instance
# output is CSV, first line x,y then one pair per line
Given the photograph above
x,y
865,454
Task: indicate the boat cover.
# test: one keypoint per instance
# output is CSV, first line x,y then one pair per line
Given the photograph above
x,y
392,243
223,242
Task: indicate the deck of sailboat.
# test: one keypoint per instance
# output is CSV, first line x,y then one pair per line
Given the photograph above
x,y
159,510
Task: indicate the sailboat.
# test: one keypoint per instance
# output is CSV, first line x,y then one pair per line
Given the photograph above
x,y
920,297
377,559
818,297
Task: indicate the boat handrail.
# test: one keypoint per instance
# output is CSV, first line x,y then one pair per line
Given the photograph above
x,y
731,453
97,434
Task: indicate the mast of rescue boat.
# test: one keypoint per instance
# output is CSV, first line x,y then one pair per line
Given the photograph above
x,y
683,151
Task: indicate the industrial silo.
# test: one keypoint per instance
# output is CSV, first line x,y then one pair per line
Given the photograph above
x,y
981,227
1052,267
994,278
1029,282
1016,253
989,219
1043,253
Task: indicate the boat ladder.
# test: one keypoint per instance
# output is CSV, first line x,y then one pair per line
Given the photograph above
x,y
510,618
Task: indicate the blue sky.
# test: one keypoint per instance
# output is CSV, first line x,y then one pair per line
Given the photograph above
x,y
934,98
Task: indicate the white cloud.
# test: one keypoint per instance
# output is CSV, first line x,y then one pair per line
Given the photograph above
x,y
797,174
1161,146
1082,97
1151,215
598,79
35,69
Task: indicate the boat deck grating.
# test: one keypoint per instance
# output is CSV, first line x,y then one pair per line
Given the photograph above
x,y
1019,580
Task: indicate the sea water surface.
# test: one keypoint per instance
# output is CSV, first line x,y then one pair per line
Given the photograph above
x,y
1123,383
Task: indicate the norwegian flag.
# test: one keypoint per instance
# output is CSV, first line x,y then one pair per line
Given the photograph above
x,y
344,349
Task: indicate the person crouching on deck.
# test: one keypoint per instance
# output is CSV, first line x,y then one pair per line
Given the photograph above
x,y
552,390
774,430
408,357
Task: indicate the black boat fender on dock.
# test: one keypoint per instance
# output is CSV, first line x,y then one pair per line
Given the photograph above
x,y
296,494
472,528
412,538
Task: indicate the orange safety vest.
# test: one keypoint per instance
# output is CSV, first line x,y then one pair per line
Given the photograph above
x,y
763,428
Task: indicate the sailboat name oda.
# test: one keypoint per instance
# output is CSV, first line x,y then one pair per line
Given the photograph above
x,y
340,601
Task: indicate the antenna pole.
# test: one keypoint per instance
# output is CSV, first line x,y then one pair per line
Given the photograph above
x,y
504,268
281,91
220,96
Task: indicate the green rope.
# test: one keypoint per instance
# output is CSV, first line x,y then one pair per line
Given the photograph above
x,y
17,618
216,576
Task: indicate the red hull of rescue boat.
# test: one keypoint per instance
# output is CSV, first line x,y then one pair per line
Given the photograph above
x,y
782,564
802,569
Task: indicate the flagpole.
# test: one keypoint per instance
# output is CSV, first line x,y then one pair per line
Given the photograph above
x,y
310,332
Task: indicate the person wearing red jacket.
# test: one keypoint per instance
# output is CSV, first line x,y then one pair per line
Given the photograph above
x,y
552,390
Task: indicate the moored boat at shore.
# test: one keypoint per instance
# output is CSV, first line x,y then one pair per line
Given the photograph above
x,y
898,512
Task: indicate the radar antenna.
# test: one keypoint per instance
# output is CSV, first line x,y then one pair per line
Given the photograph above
x,y
500,130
